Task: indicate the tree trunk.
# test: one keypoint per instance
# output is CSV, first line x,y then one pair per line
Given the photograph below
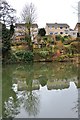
x,y
29,41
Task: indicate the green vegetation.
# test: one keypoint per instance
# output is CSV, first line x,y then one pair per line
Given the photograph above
x,y
6,41
46,47
42,32
21,56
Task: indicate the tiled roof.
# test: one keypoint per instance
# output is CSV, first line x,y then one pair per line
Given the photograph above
x,y
57,24
77,25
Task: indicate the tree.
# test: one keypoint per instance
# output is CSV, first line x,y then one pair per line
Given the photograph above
x,y
6,13
6,40
42,32
29,16
6,18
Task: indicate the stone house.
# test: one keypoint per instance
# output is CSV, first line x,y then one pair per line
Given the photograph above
x,y
77,28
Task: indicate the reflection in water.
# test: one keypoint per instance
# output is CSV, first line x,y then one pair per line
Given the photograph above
x,y
31,104
0,90
11,108
78,103
23,93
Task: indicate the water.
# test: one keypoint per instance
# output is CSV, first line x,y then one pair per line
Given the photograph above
x,y
40,90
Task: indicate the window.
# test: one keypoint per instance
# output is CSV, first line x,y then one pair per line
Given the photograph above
x,y
61,27
74,33
66,33
56,33
51,33
61,32
55,27
50,27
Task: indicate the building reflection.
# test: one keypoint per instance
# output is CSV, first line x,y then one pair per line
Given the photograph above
x,y
28,80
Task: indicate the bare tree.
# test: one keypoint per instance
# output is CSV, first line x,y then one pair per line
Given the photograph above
x,y
77,11
28,16
29,13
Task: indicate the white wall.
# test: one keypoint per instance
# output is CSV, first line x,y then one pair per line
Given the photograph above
x,y
73,33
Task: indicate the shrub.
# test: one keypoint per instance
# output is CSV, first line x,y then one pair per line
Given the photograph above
x,y
58,37
75,47
43,53
28,56
62,58
25,55
13,58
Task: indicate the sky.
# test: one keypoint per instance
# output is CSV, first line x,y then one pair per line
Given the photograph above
x,y
50,11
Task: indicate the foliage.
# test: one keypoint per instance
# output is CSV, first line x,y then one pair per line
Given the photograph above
x,y
6,13
75,47
11,29
58,37
44,53
45,38
24,55
43,80
41,32
66,37
63,58
6,40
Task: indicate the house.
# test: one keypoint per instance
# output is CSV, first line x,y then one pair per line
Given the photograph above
x,y
57,29
77,28
73,33
21,29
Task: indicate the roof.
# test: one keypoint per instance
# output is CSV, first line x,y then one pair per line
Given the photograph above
x,y
34,25
57,24
23,24
77,25
71,29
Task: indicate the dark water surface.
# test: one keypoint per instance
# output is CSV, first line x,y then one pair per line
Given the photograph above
x,y
40,90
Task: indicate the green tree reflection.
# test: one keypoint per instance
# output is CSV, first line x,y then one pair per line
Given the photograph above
x,y
26,82
9,98
28,79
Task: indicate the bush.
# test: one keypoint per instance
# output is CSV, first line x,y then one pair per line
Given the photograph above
x,y
58,37
13,58
28,56
75,47
63,58
43,53
25,55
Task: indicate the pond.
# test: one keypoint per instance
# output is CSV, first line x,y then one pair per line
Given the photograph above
x,y
40,90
